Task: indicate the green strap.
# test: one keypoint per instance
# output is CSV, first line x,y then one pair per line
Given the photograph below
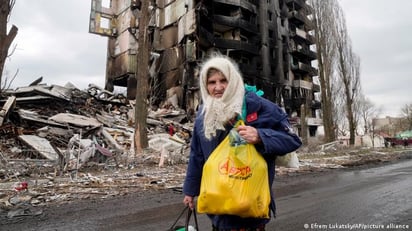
x,y
249,88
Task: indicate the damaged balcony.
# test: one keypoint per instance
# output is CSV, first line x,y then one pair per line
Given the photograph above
x,y
226,6
316,88
230,14
224,23
304,68
300,19
234,26
302,84
302,51
296,4
302,36
237,45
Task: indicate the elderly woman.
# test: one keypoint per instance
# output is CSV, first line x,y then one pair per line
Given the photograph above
x,y
266,126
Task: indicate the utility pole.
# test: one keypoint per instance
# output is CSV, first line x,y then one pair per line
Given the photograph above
x,y
140,137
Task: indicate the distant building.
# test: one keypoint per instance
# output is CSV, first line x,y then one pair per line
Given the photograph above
x,y
271,40
375,141
388,126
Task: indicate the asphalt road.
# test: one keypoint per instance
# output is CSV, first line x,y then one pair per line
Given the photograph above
x,y
375,198
370,199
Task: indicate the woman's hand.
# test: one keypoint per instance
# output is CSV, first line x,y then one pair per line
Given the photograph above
x,y
188,201
249,133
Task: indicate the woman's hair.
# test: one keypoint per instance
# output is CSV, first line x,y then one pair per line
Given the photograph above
x,y
211,72
217,111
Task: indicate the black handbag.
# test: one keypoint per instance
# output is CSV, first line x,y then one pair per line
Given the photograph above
x,y
189,213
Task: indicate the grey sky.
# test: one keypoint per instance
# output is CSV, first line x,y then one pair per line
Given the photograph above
x,y
53,41
381,36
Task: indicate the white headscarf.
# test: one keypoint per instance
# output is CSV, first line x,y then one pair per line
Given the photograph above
x,y
218,111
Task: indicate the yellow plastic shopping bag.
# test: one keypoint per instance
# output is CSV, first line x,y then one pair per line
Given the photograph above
x,y
235,180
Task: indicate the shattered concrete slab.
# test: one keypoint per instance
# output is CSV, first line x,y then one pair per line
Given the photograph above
x,y
41,145
35,117
54,91
160,141
76,120
11,101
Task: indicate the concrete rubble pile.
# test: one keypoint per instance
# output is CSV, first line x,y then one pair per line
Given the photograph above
x,y
61,136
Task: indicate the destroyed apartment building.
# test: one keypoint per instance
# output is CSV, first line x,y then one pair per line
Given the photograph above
x,y
272,41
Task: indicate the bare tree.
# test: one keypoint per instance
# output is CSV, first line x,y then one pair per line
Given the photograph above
x,y
368,111
349,74
142,77
6,39
325,26
339,112
407,112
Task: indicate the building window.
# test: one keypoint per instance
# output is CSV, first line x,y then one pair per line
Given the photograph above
x,y
312,131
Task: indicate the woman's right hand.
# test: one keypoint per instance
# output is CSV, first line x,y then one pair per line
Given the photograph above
x,y
188,201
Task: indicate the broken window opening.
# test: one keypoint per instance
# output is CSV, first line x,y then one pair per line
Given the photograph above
x,y
105,23
271,34
286,93
244,60
217,35
107,3
236,13
312,131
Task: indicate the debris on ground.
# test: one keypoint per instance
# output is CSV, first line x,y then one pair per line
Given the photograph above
x,y
59,144
56,142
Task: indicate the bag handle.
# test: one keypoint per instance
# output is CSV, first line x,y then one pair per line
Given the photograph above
x,y
178,218
188,215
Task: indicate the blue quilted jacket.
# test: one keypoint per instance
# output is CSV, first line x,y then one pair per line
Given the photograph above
x,y
277,139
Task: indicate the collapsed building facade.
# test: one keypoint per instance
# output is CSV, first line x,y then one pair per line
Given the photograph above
x,y
272,41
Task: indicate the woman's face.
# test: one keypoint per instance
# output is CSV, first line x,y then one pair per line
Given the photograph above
x,y
216,84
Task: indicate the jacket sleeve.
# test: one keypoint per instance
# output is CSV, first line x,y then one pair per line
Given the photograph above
x,y
275,131
279,141
191,186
